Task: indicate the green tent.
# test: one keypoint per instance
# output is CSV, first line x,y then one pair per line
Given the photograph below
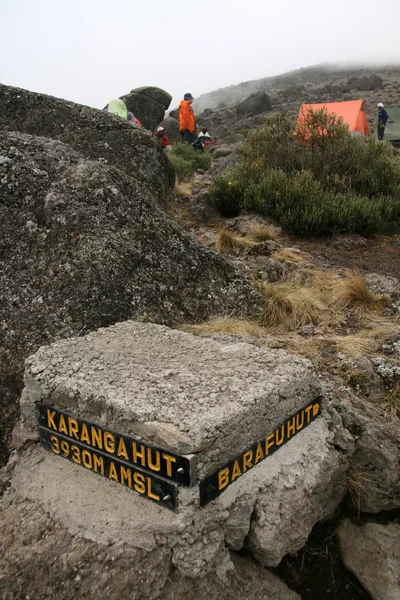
x,y
392,129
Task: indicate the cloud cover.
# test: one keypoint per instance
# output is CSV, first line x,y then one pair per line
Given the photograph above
x,y
90,51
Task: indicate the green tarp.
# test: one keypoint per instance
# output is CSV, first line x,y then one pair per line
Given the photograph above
x,y
392,129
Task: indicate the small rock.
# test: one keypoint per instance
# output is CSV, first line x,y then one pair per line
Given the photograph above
x,y
221,151
263,249
383,284
307,330
372,553
349,242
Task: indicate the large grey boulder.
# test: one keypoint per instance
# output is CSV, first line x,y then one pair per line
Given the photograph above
x,y
148,104
366,83
221,151
96,135
256,103
372,553
85,245
171,127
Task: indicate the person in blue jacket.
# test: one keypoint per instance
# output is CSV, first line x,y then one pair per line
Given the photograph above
x,y
382,120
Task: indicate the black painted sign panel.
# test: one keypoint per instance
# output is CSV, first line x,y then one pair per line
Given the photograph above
x,y
156,461
145,484
213,485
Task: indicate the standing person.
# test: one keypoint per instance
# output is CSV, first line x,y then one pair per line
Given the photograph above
x,y
186,119
382,120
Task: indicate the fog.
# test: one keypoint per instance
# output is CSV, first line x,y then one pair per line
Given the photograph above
x,y
90,51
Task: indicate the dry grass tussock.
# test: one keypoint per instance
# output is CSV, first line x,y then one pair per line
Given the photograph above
x,y
180,213
390,403
312,348
306,298
262,233
352,291
290,304
290,255
226,324
320,298
227,242
378,332
182,190
287,307
357,480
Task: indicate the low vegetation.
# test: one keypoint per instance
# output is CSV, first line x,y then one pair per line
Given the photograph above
x,y
289,254
186,160
390,402
317,297
347,318
228,194
316,180
226,324
182,190
262,233
289,305
352,291
227,242
357,480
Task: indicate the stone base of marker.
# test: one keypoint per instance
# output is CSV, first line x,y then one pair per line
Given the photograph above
x,y
233,439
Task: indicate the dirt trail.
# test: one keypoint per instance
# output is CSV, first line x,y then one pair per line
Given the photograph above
x,y
379,255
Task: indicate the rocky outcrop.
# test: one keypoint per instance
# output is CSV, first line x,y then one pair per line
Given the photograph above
x,y
253,105
374,478
86,244
96,135
202,207
148,104
171,127
372,553
365,83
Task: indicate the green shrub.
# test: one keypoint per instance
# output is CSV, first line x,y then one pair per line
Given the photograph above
x,y
314,184
300,204
227,193
272,145
186,160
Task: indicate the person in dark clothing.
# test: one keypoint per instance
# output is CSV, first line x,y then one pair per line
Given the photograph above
x,y
382,120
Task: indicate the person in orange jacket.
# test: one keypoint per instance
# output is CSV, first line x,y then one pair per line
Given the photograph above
x,y
186,119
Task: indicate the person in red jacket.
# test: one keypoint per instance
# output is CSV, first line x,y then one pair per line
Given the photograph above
x,y
162,138
186,119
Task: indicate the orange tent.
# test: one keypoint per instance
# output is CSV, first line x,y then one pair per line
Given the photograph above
x,y
351,112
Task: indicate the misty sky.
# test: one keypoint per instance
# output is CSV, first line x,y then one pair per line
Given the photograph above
x,y
91,51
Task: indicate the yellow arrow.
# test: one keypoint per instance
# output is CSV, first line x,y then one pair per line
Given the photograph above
x,y
315,409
